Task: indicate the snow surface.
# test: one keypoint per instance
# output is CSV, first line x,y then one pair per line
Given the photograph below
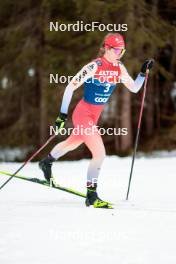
x,y
47,226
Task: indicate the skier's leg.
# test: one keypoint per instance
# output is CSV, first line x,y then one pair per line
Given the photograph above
x,y
96,146
72,142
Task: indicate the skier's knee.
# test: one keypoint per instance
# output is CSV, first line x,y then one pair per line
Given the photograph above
x,y
103,154
99,157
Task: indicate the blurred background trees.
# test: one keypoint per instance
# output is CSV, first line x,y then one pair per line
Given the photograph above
x,y
30,52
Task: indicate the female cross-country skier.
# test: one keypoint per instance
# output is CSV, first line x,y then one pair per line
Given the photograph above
x,y
100,78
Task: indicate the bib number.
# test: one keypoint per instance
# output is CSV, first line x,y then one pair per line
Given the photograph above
x,y
107,87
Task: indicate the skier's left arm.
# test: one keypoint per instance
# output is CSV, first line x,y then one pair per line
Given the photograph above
x,y
135,85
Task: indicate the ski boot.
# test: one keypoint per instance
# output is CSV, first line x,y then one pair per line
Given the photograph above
x,y
45,165
93,199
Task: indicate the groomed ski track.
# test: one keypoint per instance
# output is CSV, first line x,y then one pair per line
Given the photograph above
x,y
43,225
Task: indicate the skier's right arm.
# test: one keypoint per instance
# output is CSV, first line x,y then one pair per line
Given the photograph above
x,y
83,75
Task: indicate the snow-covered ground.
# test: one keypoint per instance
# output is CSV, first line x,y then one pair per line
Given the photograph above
x,y
39,225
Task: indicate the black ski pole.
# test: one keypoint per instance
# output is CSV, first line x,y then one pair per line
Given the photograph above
x,y
29,159
138,131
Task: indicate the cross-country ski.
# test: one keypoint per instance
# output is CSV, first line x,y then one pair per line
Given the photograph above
x,y
45,183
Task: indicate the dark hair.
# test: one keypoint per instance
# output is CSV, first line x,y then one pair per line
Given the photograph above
x,y
101,51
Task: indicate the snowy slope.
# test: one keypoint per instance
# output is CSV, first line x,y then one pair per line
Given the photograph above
x,y
42,225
